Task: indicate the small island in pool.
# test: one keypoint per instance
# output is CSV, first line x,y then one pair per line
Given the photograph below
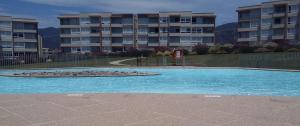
x,y
80,74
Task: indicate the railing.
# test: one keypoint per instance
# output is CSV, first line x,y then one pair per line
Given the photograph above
x,y
280,60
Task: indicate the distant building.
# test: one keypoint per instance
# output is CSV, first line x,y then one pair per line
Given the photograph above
x,y
19,36
276,21
112,32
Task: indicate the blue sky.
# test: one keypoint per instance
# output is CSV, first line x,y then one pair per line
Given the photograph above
x,y
46,11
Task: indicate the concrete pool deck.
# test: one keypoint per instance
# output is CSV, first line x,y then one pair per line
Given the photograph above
x,y
147,110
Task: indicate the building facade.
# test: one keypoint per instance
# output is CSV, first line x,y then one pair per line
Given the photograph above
x,y
112,32
276,21
18,36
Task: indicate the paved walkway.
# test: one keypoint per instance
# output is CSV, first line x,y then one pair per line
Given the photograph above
x,y
147,110
119,62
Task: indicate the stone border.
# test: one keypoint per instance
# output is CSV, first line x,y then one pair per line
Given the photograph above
x,y
79,74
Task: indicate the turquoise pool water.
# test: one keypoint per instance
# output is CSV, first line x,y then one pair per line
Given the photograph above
x,y
171,80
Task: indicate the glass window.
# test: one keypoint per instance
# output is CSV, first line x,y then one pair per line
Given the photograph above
x,y
254,24
5,33
292,20
6,44
143,29
293,8
75,39
128,38
163,20
142,38
185,29
208,39
30,36
291,31
85,20
197,30
185,38
106,38
163,30
19,45
18,35
267,11
86,30
185,19
105,20
163,38
266,22
75,30
5,24
127,30
253,34
265,32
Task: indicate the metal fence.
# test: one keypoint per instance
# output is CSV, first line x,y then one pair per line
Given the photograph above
x,y
257,60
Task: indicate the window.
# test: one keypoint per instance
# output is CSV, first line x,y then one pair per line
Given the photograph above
x,y
291,31
185,19
142,38
85,20
106,38
197,30
254,24
85,30
19,45
128,38
163,38
6,33
30,45
85,38
163,30
143,29
29,26
293,8
127,30
30,36
292,20
106,29
106,20
163,20
6,44
75,39
18,35
208,39
208,30
5,24
266,11
253,34
75,30
265,33
266,22
185,38
18,25
197,39
185,30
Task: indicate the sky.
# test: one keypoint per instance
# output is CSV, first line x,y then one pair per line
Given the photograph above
x,y
46,11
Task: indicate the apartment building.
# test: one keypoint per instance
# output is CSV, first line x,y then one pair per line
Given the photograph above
x,y
112,32
276,21
18,36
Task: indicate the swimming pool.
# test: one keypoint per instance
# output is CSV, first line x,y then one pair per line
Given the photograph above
x,y
222,81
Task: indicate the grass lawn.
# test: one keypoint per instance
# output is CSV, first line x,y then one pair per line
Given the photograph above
x,y
286,60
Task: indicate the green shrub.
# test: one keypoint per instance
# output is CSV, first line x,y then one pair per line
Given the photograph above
x,y
186,52
293,50
201,49
261,50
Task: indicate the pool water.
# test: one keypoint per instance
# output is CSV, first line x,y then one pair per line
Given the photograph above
x,y
171,81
